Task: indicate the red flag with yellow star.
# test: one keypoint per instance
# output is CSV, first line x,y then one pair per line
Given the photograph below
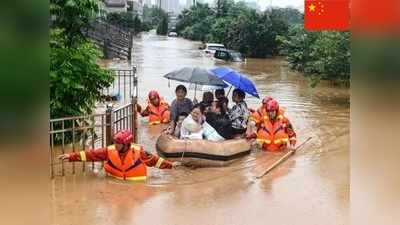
x,y
326,15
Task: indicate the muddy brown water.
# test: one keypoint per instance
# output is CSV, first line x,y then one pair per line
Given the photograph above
x,y
312,187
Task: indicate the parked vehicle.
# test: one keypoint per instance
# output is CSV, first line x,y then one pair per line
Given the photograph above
x,y
172,34
210,48
229,55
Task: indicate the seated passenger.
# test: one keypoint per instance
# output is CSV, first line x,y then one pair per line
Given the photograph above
x,y
239,114
219,120
192,125
208,98
157,109
179,105
181,117
220,96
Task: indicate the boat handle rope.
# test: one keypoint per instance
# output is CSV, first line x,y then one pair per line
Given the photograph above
x,y
184,150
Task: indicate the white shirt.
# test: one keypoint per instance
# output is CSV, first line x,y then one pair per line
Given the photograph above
x,y
191,129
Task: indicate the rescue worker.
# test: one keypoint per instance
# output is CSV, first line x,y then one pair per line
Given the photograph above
x,y
157,109
124,160
273,130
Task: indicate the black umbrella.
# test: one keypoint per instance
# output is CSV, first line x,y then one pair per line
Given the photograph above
x,y
197,76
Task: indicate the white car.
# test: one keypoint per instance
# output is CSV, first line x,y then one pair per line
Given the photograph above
x,y
212,47
172,34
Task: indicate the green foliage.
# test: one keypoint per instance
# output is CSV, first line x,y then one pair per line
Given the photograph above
x,y
277,31
137,24
126,21
162,28
235,25
71,16
152,16
76,80
75,77
321,55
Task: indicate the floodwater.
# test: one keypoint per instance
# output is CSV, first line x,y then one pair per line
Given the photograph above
x,y
312,187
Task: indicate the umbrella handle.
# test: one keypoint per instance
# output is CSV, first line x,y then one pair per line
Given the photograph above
x,y
195,88
230,88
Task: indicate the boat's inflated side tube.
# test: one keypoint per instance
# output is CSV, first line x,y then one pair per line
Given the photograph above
x,y
202,152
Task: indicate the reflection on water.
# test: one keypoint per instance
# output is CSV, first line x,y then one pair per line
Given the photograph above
x,y
310,188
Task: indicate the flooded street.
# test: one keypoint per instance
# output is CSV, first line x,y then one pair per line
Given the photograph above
x,y
312,187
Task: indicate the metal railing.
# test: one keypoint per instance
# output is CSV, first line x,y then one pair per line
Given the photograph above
x,y
124,86
115,41
79,133
74,134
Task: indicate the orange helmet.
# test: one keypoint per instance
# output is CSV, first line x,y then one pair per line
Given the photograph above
x,y
272,105
266,100
123,137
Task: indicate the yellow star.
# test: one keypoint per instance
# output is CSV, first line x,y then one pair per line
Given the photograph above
x,y
312,8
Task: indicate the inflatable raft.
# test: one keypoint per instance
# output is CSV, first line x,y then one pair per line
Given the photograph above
x,y
202,152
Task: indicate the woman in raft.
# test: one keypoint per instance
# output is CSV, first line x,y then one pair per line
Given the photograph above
x,y
217,127
157,109
180,105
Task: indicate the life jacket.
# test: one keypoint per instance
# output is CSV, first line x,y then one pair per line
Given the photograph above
x,y
160,114
273,136
132,168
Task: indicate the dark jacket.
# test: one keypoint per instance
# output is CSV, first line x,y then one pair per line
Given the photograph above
x,y
221,123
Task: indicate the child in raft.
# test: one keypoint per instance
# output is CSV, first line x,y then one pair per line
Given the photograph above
x,y
208,99
178,122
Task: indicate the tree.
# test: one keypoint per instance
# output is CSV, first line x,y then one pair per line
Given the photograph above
x,y
320,55
76,79
137,24
162,28
71,16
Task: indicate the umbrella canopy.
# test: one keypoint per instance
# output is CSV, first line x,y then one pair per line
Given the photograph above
x,y
196,76
236,79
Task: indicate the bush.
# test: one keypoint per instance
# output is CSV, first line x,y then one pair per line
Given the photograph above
x,y
162,28
320,55
76,80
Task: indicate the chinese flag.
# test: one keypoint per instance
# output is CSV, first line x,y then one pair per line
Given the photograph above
x,y
326,15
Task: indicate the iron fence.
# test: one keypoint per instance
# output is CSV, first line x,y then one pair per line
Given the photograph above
x,y
79,133
124,86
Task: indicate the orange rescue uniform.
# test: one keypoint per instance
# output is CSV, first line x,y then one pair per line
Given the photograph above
x,y
157,114
273,135
131,165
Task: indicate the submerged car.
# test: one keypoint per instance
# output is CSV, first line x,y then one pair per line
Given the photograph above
x,y
229,55
172,34
210,48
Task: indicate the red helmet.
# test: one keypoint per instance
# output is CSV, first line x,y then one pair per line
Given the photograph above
x,y
266,100
154,94
272,105
123,137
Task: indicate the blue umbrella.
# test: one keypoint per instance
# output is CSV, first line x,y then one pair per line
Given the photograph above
x,y
236,79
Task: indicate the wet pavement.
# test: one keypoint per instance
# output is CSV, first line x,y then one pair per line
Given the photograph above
x,y
312,187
